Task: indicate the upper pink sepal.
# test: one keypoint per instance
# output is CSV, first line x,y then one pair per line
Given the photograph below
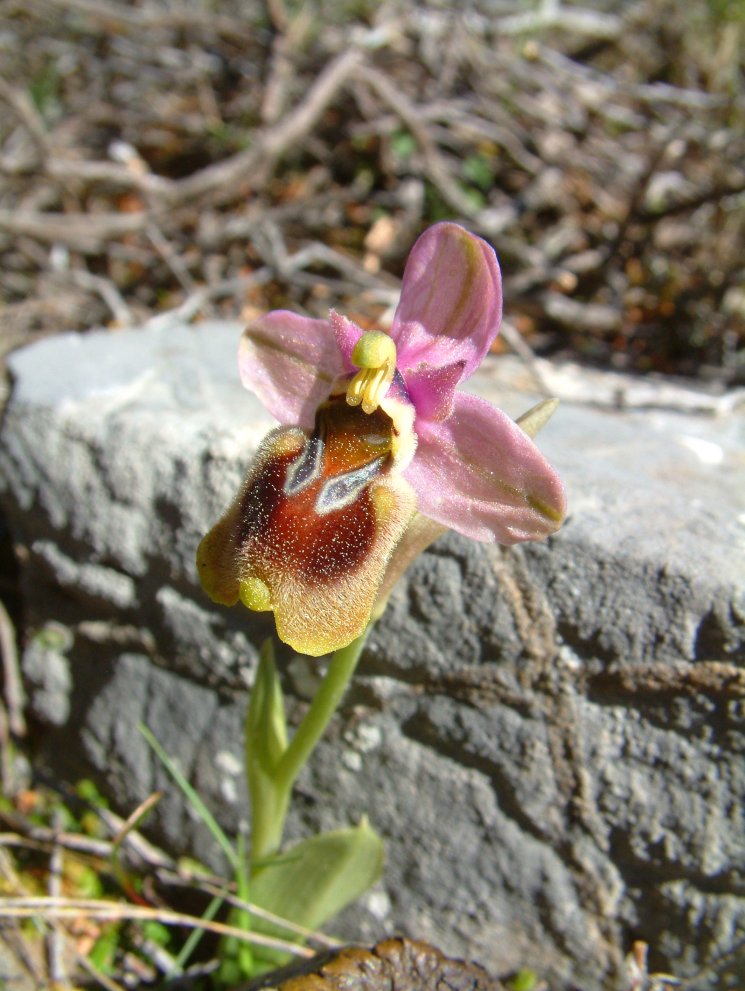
x,y
291,363
451,301
479,474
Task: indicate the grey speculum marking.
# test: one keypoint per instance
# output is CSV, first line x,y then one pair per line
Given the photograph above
x,y
343,489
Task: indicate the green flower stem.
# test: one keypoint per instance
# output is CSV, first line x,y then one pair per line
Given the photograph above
x,y
341,668
268,816
268,813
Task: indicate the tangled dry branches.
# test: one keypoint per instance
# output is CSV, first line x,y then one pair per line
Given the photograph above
x,y
160,160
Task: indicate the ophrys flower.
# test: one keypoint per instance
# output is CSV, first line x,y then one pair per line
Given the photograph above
x,y
375,436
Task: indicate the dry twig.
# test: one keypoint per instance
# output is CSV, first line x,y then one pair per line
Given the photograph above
x,y
97,908
12,685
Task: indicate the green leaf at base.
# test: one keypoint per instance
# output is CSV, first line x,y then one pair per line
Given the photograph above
x,y
314,880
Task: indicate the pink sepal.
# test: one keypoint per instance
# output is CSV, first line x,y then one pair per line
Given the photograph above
x,y
479,474
451,301
290,362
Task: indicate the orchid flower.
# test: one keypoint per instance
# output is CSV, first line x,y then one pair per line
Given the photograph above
x,y
377,451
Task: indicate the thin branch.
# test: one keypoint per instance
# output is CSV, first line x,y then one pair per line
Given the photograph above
x,y
128,827
105,289
261,913
66,908
112,173
551,15
42,838
12,684
29,960
195,302
524,352
269,242
221,179
291,38
435,165
23,107
55,937
171,257
299,122
44,926
153,17
85,232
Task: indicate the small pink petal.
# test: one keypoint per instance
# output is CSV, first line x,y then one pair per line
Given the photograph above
x,y
479,474
451,300
431,390
290,362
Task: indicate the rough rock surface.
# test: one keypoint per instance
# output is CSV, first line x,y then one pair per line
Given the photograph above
x,y
553,734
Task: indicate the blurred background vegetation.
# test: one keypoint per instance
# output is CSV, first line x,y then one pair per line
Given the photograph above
x,y
211,158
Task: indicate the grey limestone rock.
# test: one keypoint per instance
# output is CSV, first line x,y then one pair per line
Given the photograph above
x,y
553,734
